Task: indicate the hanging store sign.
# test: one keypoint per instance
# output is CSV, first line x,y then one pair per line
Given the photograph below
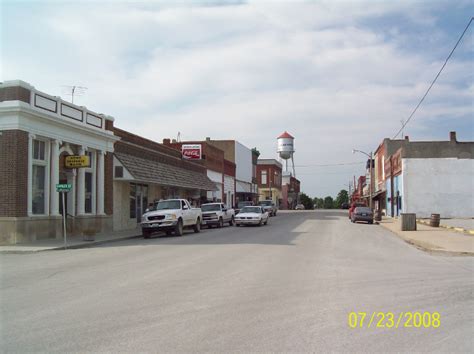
x,y
192,151
77,161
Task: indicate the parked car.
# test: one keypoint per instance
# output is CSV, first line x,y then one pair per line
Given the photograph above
x,y
171,216
345,206
240,205
355,205
252,215
363,214
269,206
217,214
299,207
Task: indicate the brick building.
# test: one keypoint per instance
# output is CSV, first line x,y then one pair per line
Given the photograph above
x,y
290,190
219,170
37,131
269,177
146,171
126,172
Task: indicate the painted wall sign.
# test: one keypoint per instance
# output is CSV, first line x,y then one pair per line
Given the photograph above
x,y
77,161
192,151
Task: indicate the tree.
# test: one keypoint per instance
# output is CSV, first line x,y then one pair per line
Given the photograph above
x,y
256,152
328,203
306,201
318,203
342,197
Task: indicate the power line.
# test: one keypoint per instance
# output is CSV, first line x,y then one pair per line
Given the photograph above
x,y
436,78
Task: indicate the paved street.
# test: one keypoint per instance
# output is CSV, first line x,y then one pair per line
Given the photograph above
x,y
288,286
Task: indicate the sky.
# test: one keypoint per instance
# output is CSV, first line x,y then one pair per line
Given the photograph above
x,y
337,75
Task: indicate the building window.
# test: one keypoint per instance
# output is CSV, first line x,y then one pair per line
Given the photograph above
x,y
138,200
39,177
90,184
88,191
264,177
38,197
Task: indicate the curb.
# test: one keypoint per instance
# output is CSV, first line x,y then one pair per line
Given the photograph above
x,y
85,245
452,228
429,250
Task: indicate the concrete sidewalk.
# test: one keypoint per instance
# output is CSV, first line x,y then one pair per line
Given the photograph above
x,y
459,225
433,239
72,242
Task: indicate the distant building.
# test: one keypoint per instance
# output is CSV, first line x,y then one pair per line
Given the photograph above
x,y
290,190
245,161
269,177
425,177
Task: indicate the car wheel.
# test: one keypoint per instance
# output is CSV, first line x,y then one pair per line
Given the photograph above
x,y
260,222
221,223
168,233
266,222
232,221
275,213
197,226
371,222
178,229
145,234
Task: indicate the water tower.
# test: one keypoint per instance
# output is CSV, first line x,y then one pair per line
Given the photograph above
x,y
286,149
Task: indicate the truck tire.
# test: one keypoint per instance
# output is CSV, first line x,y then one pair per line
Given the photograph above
x,y
231,222
178,229
221,223
197,226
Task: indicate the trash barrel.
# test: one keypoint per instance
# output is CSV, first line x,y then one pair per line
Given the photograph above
x,y
378,215
434,221
408,221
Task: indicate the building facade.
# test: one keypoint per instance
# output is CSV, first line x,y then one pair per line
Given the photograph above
x,y
37,132
269,177
146,171
290,190
426,177
219,170
245,161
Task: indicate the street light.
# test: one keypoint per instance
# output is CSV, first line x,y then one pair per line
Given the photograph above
x,y
371,170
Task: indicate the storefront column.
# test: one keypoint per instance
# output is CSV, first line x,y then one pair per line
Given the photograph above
x,y
54,177
81,186
100,182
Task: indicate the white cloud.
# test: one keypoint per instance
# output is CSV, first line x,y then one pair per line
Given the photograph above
x,y
250,71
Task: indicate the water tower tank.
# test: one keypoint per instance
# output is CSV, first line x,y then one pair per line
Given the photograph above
x,y
285,146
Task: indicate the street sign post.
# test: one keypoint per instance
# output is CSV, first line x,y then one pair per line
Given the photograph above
x,y
63,188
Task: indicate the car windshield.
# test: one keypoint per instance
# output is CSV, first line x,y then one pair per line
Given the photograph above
x,y
168,204
363,210
243,204
251,209
265,203
211,207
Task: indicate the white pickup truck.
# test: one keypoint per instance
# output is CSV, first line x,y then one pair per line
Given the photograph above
x,y
217,214
171,216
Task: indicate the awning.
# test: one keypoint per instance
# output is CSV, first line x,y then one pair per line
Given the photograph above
x,y
243,187
163,174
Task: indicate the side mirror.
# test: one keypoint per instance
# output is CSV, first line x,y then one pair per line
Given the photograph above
x,y
185,207
147,210
224,210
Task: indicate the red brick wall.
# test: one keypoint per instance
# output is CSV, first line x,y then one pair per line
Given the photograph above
x,y
271,169
229,168
15,93
150,144
213,157
13,173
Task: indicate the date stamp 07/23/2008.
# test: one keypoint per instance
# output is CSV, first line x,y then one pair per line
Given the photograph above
x,y
394,320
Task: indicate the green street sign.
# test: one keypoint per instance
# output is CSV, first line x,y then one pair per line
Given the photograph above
x,y
65,187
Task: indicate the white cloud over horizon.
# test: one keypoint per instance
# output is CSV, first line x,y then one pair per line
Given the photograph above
x,y
328,72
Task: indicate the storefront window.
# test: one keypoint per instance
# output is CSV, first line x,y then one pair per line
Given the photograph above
x,y
138,200
38,197
88,196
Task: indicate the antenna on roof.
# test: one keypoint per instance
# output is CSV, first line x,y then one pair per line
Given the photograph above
x,y
74,91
